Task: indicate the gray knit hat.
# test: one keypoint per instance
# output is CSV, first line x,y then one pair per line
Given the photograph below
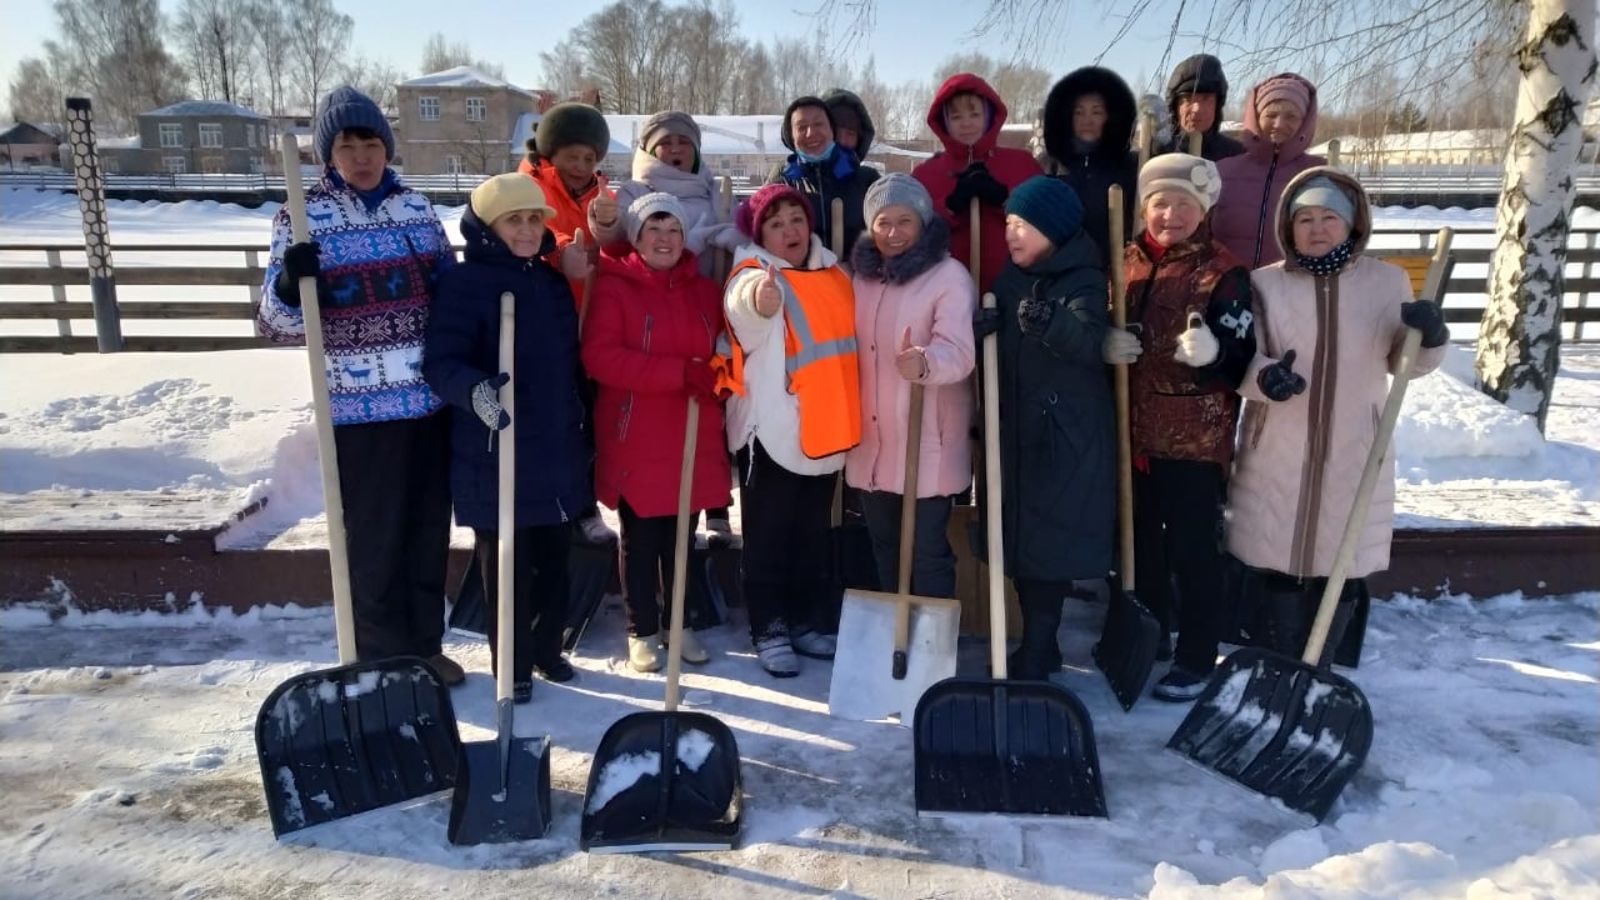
x,y
1322,191
640,211
662,124
898,189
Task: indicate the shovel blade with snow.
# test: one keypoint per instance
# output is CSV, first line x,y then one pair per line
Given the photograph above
x,y
337,742
1280,727
666,780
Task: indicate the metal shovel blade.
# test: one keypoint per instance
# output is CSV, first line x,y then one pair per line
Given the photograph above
x,y
502,788
663,781
863,686
1013,747
350,739
1280,727
1127,649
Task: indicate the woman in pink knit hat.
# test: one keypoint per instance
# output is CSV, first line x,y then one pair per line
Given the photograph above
x,y
1280,117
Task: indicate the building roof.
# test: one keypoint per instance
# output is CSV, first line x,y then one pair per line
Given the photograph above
x,y
26,133
195,108
464,77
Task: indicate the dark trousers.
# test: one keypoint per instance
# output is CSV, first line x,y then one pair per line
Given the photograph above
x,y
1177,522
785,519
539,611
933,563
647,565
1288,609
1039,652
395,480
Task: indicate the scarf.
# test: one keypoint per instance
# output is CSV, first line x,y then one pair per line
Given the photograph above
x,y
1330,263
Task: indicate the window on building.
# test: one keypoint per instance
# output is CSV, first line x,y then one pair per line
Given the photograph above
x,y
477,109
211,165
428,108
452,165
174,165
171,134
255,165
211,135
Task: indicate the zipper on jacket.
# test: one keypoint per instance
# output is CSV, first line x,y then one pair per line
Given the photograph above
x,y
1261,220
562,510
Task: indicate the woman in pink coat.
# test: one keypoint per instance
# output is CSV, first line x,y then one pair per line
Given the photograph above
x,y
914,307
1280,118
1329,325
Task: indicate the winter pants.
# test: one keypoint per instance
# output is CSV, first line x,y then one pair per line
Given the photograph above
x,y
539,610
1177,521
933,563
395,479
786,521
1289,607
647,564
1039,653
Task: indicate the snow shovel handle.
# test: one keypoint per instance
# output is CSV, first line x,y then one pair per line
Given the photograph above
x,y
1374,466
1119,318
344,623
680,553
506,508
908,529
836,217
991,500
974,242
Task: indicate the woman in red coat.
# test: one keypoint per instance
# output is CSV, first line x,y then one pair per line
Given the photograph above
x,y
967,115
651,330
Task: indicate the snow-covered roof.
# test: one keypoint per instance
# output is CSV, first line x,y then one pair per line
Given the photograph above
x,y
205,108
118,143
464,77
1467,139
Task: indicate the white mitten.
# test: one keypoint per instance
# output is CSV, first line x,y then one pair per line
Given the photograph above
x,y
1197,346
1120,347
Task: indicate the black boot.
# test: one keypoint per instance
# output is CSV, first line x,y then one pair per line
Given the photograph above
x,y
1288,611
1039,654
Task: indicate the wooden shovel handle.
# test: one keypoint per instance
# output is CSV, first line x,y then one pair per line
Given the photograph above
x,y
836,217
680,554
1119,318
506,511
992,508
908,527
974,241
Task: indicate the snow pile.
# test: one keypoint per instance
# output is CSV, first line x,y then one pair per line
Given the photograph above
x,y
1445,416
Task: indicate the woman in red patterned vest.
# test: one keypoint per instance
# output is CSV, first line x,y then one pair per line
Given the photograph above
x,y
1189,341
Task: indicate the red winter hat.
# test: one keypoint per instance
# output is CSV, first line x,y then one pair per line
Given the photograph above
x,y
753,212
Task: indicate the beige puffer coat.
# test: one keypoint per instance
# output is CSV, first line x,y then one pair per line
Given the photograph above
x,y
1299,461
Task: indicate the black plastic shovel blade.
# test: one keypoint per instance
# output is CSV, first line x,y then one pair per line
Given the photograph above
x,y
346,740
502,792
663,781
590,570
1127,649
1014,747
1280,727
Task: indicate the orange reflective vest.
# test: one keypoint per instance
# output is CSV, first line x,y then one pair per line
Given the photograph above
x,y
819,346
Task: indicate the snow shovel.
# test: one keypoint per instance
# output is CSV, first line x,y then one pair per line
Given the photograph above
x,y
1284,727
666,780
1127,649
503,785
998,746
884,663
362,735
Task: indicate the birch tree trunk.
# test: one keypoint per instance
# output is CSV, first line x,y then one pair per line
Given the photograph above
x,y
1519,340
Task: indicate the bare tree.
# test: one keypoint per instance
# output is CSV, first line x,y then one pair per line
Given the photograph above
x,y
1021,85
270,27
564,69
483,149
115,52
377,80
39,92
318,35
217,44
439,54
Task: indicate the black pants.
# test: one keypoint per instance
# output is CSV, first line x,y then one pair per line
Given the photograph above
x,y
786,525
539,610
647,565
395,479
1039,652
1177,522
933,563
1288,608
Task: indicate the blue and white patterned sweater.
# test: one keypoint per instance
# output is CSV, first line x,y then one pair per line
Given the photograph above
x,y
379,271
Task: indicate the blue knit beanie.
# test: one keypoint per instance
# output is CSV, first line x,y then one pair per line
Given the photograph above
x,y
347,107
1048,204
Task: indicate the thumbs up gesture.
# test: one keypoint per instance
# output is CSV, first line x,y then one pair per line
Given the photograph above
x,y
912,361
604,206
575,258
1197,346
1279,381
769,299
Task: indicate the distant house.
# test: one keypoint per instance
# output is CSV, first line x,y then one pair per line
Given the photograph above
x,y
22,144
1475,147
194,136
458,120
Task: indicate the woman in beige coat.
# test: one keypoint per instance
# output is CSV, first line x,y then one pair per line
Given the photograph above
x,y
1329,325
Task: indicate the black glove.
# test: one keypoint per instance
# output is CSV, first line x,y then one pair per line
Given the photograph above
x,y
975,182
1279,382
1034,315
299,260
486,402
1427,318
985,322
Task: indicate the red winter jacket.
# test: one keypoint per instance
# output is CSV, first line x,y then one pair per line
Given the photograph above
x,y
643,325
1009,167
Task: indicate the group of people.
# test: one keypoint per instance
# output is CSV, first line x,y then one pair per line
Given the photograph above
x,y
1246,285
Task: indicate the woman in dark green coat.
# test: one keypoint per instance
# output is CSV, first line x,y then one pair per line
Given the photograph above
x,y
1057,439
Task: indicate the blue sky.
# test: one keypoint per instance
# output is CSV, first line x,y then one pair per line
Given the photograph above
x,y
910,38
